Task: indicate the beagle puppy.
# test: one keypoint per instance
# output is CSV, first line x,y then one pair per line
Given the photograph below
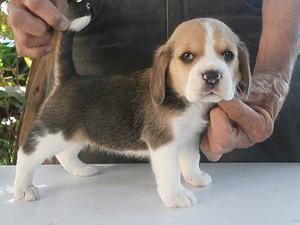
x,y
157,113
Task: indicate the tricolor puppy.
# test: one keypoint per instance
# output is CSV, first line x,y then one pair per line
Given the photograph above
x,y
159,112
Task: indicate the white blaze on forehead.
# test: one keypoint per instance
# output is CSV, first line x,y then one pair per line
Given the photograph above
x,y
209,39
210,60
210,56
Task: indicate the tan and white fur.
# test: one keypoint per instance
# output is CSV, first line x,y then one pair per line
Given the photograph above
x,y
168,110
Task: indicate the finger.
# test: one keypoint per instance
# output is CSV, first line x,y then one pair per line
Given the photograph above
x,y
30,41
21,19
255,123
33,52
238,111
221,136
246,118
220,131
43,40
49,13
206,150
224,135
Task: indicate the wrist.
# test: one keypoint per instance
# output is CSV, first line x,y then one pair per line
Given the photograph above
x,y
269,91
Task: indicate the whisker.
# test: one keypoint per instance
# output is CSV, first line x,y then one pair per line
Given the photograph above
x,y
238,93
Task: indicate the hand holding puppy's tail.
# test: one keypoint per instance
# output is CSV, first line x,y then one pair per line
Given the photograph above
x,y
80,15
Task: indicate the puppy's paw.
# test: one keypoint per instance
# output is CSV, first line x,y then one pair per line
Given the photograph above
x,y
85,171
198,179
29,193
178,199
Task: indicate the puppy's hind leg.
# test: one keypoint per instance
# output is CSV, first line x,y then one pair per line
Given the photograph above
x,y
71,163
39,146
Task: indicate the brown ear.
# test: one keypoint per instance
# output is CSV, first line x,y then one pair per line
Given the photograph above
x,y
158,74
244,67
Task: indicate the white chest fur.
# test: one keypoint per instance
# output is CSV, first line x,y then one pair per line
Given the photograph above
x,y
192,122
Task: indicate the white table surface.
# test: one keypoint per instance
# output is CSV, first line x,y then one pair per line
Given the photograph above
x,y
241,194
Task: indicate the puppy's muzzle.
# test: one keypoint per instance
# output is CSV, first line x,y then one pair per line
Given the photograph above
x,y
211,78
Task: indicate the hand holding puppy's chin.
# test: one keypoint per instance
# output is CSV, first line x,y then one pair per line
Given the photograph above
x,y
225,131
238,124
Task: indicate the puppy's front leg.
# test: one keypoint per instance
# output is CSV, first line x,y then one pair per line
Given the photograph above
x,y
165,166
189,159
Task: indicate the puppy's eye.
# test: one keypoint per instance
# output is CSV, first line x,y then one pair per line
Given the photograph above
x,y
187,57
228,56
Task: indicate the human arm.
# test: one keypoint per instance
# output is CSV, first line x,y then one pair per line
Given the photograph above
x,y
238,124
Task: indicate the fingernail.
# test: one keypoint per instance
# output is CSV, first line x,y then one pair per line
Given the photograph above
x,y
63,25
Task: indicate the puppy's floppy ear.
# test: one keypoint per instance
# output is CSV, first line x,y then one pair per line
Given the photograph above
x,y
158,74
244,68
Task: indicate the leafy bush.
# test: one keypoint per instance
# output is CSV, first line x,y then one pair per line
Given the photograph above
x,y
11,103
13,76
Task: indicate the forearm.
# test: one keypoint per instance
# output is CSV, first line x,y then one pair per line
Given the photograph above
x,y
254,121
280,42
278,50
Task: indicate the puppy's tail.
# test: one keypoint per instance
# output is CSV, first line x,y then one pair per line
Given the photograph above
x,y
80,15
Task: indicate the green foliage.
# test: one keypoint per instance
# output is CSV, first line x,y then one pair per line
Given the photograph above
x,y
13,75
5,31
11,104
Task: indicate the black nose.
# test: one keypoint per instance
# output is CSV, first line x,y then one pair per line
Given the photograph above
x,y
211,77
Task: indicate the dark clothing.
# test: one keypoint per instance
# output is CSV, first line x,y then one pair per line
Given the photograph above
x,y
125,33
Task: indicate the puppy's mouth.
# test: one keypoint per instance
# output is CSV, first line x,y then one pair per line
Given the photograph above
x,y
211,92
212,95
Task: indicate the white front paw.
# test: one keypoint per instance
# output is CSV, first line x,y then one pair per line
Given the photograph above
x,y
198,178
29,193
180,198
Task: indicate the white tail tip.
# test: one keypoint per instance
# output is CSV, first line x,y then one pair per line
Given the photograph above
x,y
79,23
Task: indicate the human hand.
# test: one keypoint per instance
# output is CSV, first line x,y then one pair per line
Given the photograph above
x,y
238,124
31,22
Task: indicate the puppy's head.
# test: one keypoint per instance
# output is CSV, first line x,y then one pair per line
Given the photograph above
x,y
203,61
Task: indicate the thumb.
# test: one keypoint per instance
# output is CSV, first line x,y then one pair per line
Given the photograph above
x,y
236,110
204,146
246,117
249,119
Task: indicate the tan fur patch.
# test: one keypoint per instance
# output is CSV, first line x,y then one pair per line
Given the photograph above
x,y
226,39
188,37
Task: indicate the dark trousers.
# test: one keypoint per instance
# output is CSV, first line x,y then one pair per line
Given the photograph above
x,y
125,33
